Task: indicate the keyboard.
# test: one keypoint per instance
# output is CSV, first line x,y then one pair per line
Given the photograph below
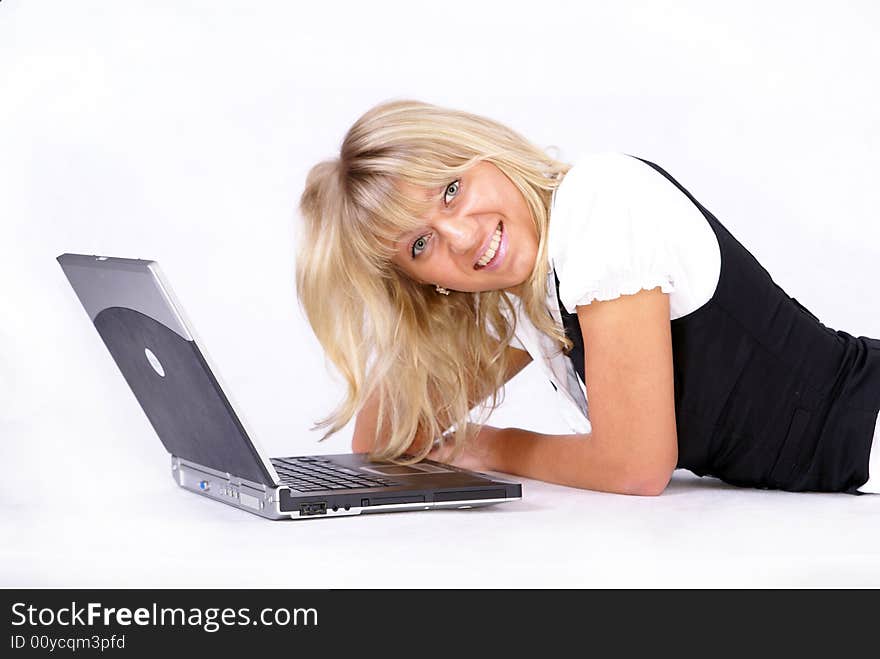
x,y
310,474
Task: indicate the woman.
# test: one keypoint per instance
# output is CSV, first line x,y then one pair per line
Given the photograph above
x,y
442,252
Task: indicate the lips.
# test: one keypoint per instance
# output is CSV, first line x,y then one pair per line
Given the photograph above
x,y
484,248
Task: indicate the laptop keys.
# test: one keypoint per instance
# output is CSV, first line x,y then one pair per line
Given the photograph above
x,y
314,473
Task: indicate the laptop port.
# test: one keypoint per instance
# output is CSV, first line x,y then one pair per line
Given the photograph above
x,y
313,509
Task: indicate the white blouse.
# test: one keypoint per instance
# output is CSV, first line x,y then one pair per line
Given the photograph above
x,y
618,226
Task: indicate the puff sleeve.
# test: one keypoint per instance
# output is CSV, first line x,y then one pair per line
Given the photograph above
x,y
610,229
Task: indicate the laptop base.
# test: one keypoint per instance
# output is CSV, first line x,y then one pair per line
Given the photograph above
x,y
281,502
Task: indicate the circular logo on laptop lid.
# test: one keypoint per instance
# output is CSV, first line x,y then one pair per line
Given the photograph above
x,y
154,362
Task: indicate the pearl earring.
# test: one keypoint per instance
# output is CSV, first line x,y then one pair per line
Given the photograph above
x,y
441,290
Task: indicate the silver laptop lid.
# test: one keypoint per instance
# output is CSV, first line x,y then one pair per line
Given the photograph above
x,y
144,328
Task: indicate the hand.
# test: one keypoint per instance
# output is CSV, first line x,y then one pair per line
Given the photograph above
x,y
478,453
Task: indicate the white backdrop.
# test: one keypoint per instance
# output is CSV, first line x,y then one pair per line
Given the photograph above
x,y
182,132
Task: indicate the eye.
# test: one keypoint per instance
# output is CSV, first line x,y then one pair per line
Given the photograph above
x,y
420,244
451,189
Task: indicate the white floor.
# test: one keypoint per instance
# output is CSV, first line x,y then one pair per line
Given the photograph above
x,y
99,528
87,499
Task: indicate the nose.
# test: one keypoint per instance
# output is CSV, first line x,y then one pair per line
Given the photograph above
x,y
460,231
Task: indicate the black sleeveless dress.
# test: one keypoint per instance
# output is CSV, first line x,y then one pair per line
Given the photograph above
x,y
765,395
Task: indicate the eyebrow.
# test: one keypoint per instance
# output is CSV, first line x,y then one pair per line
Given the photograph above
x,y
404,238
430,195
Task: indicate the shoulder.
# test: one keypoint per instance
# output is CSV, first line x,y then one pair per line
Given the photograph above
x,y
608,201
614,176
613,228
609,162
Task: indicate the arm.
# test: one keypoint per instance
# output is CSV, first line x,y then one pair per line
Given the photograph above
x,y
365,424
633,448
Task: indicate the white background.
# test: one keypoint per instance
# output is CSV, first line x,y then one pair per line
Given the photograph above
x,y
182,132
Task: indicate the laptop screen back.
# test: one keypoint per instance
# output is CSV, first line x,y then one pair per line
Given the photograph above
x,y
148,339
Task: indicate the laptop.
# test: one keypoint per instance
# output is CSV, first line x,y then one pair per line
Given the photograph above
x,y
213,453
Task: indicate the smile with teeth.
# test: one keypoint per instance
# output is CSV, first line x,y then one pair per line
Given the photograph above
x,y
492,249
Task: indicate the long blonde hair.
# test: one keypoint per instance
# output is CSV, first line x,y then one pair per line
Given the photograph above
x,y
430,357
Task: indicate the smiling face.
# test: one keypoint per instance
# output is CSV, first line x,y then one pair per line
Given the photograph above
x,y
478,234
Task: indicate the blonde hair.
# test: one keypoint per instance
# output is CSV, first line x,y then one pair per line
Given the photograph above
x,y
429,357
